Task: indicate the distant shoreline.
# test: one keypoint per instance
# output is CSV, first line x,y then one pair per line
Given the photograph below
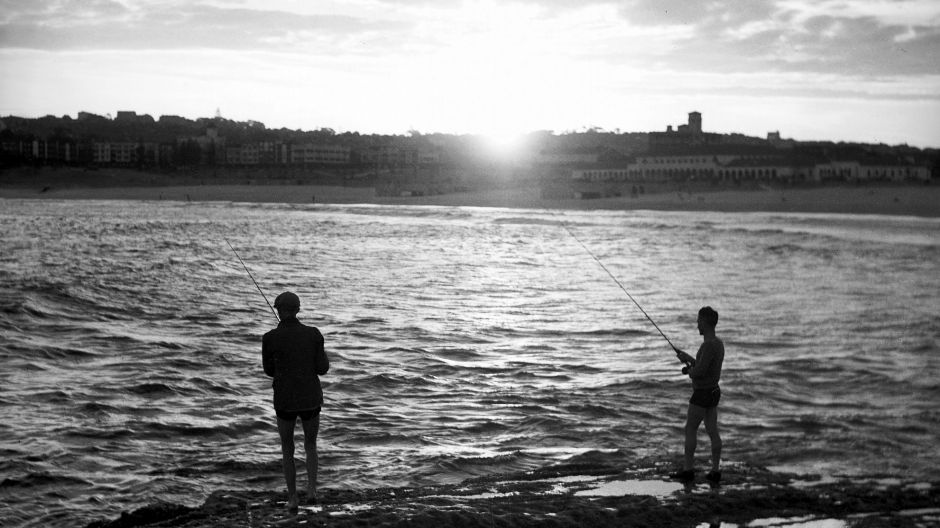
x,y
881,199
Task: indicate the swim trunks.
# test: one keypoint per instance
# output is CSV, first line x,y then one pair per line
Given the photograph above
x,y
706,398
292,415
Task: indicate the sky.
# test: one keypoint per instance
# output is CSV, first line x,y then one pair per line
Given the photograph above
x,y
840,70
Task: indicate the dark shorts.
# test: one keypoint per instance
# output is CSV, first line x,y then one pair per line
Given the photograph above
x,y
292,415
706,398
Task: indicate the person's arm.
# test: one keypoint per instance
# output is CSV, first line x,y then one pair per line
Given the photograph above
x,y
267,356
321,361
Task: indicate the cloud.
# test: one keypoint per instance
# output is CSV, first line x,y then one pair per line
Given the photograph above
x,y
848,37
532,61
104,24
703,13
865,38
863,46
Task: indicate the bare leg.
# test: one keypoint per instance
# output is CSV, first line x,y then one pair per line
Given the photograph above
x,y
711,426
311,429
286,430
693,420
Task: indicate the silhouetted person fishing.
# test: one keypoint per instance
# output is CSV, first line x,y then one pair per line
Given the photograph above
x,y
294,356
705,371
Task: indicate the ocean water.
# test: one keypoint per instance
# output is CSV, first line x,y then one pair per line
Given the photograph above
x,y
463,341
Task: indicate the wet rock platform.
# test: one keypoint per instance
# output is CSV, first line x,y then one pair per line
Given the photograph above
x,y
568,495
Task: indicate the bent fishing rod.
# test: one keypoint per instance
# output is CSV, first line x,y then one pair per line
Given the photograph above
x,y
601,264
253,280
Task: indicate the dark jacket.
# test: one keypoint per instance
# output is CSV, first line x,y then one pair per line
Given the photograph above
x,y
293,355
706,370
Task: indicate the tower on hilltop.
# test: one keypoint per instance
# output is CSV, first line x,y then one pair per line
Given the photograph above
x,y
683,136
695,123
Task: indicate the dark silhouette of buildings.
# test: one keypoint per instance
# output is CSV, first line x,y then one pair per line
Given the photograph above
x,y
446,162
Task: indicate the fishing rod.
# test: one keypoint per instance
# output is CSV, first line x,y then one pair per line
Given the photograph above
x,y
601,264
253,279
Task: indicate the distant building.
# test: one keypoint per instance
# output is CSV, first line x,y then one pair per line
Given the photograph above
x,y
606,174
124,153
578,156
14,149
101,152
837,170
893,172
313,154
690,134
166,154
265,153
50,150
775,140
690,162
247,154
211,146
388,156
273,153
737,163
130,153
85,116
769,169
695,124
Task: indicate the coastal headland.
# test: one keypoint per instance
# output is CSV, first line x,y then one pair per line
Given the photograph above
x,y
906,199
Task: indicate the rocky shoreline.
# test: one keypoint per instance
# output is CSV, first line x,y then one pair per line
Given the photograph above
x,y
578,494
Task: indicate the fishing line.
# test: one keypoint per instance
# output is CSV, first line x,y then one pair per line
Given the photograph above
x,y
601,264
252,279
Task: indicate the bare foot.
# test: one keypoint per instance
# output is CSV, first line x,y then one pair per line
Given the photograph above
x,y
311,495
292,502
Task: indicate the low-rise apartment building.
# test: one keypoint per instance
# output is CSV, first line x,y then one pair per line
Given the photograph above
x,y
312,154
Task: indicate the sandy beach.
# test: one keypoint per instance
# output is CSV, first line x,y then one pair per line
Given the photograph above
x,y
884,199
907,199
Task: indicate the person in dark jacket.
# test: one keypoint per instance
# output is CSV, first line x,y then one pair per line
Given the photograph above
x,y
705,371
293,355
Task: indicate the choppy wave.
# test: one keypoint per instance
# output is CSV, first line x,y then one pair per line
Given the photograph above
x,y
463,341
